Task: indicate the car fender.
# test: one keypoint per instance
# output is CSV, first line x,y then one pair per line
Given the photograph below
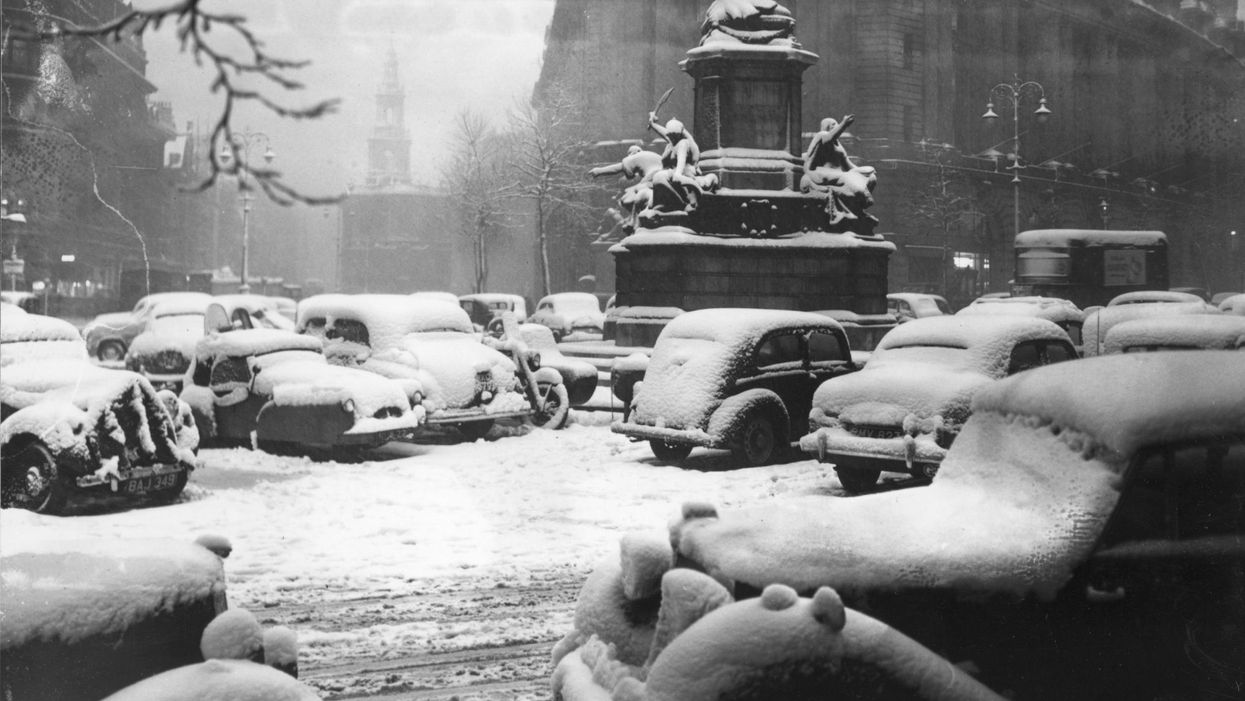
x,y
548,375
726,421
61,426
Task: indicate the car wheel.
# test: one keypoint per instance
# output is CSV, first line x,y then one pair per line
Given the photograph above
x,y
555,406
111,351
857,480
670,452
475,430
32,480
758,443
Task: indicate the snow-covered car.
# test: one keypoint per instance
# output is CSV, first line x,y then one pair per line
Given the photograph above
x,y
73,432
165,349
286,307
1064,313
1099,321
904,409
1155,297
429,346
486,308
567,313
1184,332
275,390
1233,304
108,336
579,377
906,306
1082,541
741,379
86,616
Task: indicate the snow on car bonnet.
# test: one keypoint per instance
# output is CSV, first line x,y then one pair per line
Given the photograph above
x,y
63,591
699,352
388,317
1018,503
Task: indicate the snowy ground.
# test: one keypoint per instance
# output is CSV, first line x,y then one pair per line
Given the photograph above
x,y
436,570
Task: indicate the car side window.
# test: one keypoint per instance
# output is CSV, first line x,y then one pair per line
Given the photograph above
x,y
231,369
202,373
1074,331
1024,356
1182,493
825,348
349,330
778,350
315,327
1057,352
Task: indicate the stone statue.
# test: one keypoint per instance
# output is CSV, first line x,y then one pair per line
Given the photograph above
x,y
678,185
748,22
638,197
828,169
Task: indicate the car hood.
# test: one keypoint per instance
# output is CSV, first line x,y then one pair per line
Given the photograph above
x,y
451,363
884,394
299,382
1015,508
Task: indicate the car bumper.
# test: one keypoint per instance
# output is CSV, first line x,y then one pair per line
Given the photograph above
x,y
136,480
676,436
903,453
444,417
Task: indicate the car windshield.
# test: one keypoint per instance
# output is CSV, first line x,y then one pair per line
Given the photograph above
x,y
284,356
928,306
936,355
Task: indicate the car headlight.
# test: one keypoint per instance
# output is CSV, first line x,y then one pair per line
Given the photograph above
x,y
348,405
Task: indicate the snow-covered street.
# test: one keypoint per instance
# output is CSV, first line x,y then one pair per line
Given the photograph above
x,y
436,569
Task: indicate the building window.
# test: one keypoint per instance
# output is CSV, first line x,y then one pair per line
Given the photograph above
x,y
909,50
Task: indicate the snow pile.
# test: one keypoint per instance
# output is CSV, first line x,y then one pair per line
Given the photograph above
x,y
1018,503
1208,331
233,635
1100,321
63,590
704,646
699,354
281,649
218,680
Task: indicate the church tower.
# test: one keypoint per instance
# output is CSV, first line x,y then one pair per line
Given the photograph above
x,y
389,148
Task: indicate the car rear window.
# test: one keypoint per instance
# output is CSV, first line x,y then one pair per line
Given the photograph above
x,y
777,350
824,348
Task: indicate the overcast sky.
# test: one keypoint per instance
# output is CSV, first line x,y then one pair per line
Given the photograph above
x,y
452,54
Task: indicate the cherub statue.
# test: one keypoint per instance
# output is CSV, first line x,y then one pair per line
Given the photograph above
x,y
639,196
828,169
678,185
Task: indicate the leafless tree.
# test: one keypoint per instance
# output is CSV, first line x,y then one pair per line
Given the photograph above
x,y
233,71
547,163
947,204
476,180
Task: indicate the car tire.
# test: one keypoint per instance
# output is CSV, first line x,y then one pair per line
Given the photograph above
x,y
111,351
32,480
759,441
475,430
857,480
670,452
555,409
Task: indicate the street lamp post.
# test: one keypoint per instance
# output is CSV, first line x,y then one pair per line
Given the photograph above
x,y
240,144
1012,94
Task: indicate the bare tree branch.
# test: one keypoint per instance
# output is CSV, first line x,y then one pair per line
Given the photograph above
x,y
475,179
193,25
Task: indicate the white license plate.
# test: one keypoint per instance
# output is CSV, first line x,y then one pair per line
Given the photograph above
x,y
154,483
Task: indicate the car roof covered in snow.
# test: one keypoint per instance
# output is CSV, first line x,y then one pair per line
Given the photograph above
x,y
736,327
1153,296
247,302
1099,322
1209,331
969,332
246,342
17,328
1052,308
1063,238
1132,400
388,317
1234,304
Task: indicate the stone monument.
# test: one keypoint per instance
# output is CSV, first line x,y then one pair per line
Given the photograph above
x,y
731,216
